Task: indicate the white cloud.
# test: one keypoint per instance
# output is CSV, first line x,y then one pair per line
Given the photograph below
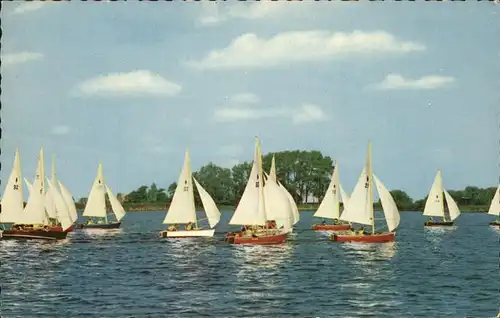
x,y
396,81
309,113
244,98
28,6
230,150
211,15
250,51
20,57
136,83
306,113
60,130
231,114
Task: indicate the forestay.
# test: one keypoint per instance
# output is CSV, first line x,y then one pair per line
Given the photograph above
x,y
251,208
12,199
211,210
96,202
495,204
389,206
434,206
182,209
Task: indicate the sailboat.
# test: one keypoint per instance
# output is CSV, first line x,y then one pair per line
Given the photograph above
x,y
182,209
259,208
33,223
273,177
12,204
60,211
359,209
329,208
435,207
96,205
495,208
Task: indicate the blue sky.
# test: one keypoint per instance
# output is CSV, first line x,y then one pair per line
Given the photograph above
x,y
133,84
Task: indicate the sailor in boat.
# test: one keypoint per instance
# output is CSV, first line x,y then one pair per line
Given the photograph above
x,y
430,220
89,221
323,222
189,226
172,228
336,221
361,231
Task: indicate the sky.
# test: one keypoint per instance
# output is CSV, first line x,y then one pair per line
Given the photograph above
x,y
133,85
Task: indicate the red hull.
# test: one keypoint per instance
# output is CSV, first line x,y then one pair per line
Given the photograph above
x,y
237,238
364,238
331,227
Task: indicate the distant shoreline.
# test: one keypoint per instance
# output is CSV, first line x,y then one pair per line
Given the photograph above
x,y
302,207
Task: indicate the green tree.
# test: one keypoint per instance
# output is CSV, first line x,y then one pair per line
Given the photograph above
x,y
402,199
216,181
171,190
152,193
138,196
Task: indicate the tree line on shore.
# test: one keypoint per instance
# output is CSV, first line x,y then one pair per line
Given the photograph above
x,y
305,174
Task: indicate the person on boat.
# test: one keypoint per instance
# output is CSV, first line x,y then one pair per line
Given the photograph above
x,y
430,220
336,221
172,228
361,230
243,228
323,222
89,221
189,226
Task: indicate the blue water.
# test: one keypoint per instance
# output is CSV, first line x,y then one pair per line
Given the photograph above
x,y
132,273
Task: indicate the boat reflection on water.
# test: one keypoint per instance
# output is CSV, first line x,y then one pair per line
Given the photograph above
x,y
258,257
98,233
370,252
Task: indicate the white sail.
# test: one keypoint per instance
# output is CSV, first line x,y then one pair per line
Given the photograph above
x,y
12,199
272,171
273,177
295,209
182,209
61,208
96,202
278,206
251,208
388,205
116,206
434,206
28,185
343,195
359,209
330,205
211,210
452,206
495,204
50,204
70,203
34,212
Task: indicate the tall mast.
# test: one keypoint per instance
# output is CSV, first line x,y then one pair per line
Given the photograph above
x,y
370,183
260,176
190,176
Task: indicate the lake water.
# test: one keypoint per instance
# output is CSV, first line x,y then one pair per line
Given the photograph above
x,y
131,272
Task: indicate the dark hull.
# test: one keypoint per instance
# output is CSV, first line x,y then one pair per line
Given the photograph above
x,y
495,223
437,223
58,228
33,235
100,226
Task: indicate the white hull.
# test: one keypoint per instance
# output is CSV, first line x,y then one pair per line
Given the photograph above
x,y
192,233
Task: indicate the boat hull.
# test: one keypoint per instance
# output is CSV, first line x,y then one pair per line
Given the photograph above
x,y
364,238
495,224
103,226
58,228
331,227
33,235
187,234
271,239
438,223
